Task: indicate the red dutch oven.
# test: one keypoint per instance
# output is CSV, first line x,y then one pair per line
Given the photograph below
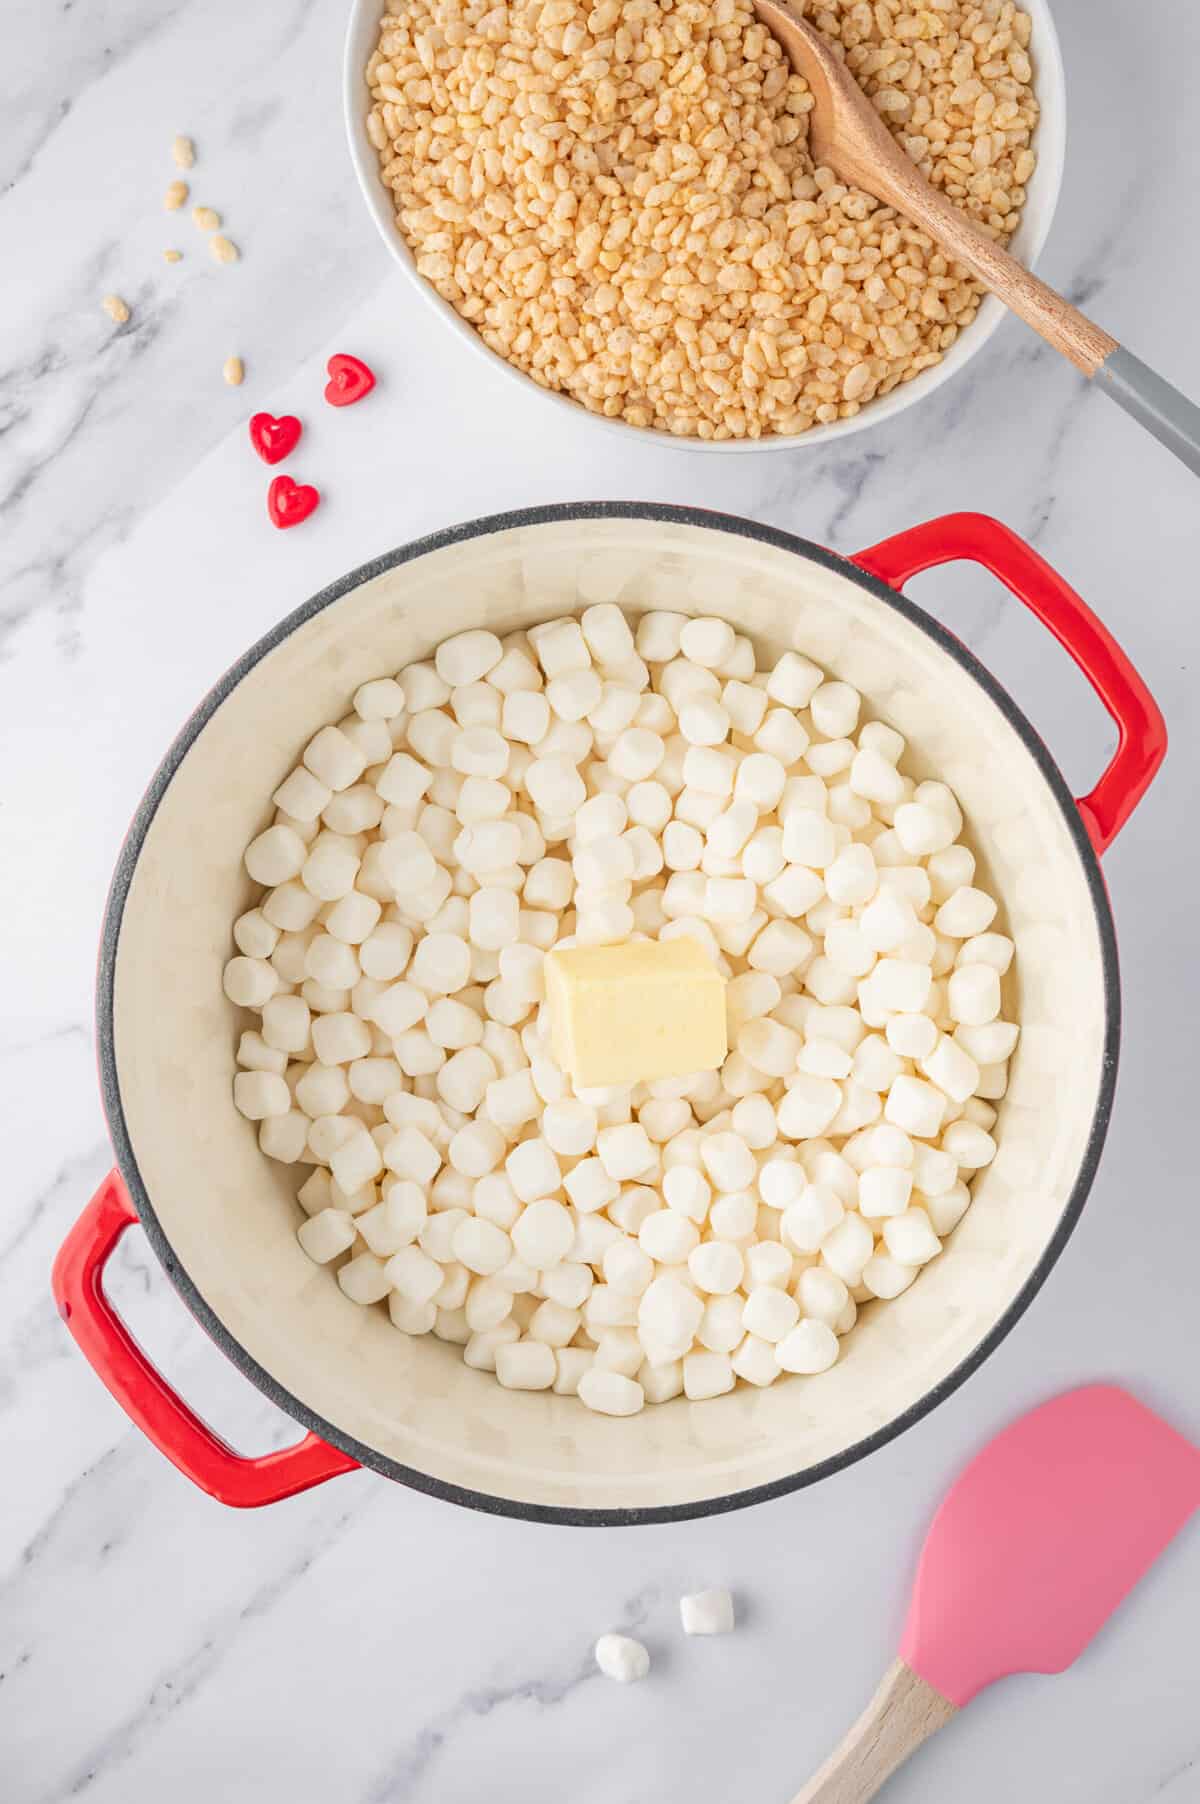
x,y
222,1218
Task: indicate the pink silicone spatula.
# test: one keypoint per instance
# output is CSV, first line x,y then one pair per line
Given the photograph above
x,y
1030,1553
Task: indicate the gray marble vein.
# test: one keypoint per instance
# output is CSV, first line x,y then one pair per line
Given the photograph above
x,y
413,1768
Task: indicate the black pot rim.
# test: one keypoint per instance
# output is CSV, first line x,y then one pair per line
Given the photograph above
x,y
293,1406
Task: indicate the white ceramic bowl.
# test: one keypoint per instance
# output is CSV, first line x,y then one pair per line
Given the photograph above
x,y
223,1218
1042,199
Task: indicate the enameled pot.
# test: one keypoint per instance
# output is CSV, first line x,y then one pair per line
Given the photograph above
x,y
222,1218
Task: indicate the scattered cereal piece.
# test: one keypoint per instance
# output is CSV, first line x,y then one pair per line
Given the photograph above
x,y
172,256
206,218
184,152
223,250
233,371
177,193
115,308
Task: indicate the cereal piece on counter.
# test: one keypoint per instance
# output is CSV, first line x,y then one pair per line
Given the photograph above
x,y
206,218
176,194
172,256
223,250
234,371
116,309
183,151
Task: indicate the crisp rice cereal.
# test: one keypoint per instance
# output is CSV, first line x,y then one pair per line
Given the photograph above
x,y
619,197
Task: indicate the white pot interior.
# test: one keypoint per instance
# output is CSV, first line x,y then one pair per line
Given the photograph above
x,y
229,1213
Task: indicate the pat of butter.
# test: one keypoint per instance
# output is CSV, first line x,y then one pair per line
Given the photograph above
x,y
629,1014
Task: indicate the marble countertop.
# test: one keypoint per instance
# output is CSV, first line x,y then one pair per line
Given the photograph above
x,y
361,1642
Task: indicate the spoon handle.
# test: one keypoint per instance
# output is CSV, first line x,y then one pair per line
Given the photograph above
x,y
1154,404
1052,318
1147,397
904,1712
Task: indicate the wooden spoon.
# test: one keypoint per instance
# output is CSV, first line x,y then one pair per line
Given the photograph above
x,y
847,135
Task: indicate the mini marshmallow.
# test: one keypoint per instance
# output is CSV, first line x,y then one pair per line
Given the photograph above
x,y
625,1152
707,642
333,759
901,985
876,778
466,658
610,1394
668,1237
620,1657
716,1267
916,1106
543,1234
794,680
260,1094
707,1375
706,1613
834,709
363,1279
811,1347
555,786
326,1234
852,878
755,1361
886,1277
965,913
779,949
781,736
669,1313
275,856
883,1190
822,1295
910,1238
809,838
808,1106
249,982
973,994
770,1313
970,1145
636,754
846,1248
526,1365
302,795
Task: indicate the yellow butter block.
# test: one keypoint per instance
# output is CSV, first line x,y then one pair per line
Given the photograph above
x,y
629,1014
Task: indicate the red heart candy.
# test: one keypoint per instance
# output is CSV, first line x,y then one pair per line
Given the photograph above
x,y
290,502
274,439
350,380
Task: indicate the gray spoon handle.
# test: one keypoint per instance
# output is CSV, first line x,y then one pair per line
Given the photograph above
x,y
1161,409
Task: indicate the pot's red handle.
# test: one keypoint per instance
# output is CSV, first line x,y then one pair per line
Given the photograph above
x,y
144,1393
1142,733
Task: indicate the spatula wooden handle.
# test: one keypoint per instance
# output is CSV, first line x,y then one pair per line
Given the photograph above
x,y
904,1712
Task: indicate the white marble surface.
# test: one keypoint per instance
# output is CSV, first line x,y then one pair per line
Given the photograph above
x,y
360,1642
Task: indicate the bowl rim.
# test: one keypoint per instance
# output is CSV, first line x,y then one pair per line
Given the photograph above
x,y
293,1406
1028,244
